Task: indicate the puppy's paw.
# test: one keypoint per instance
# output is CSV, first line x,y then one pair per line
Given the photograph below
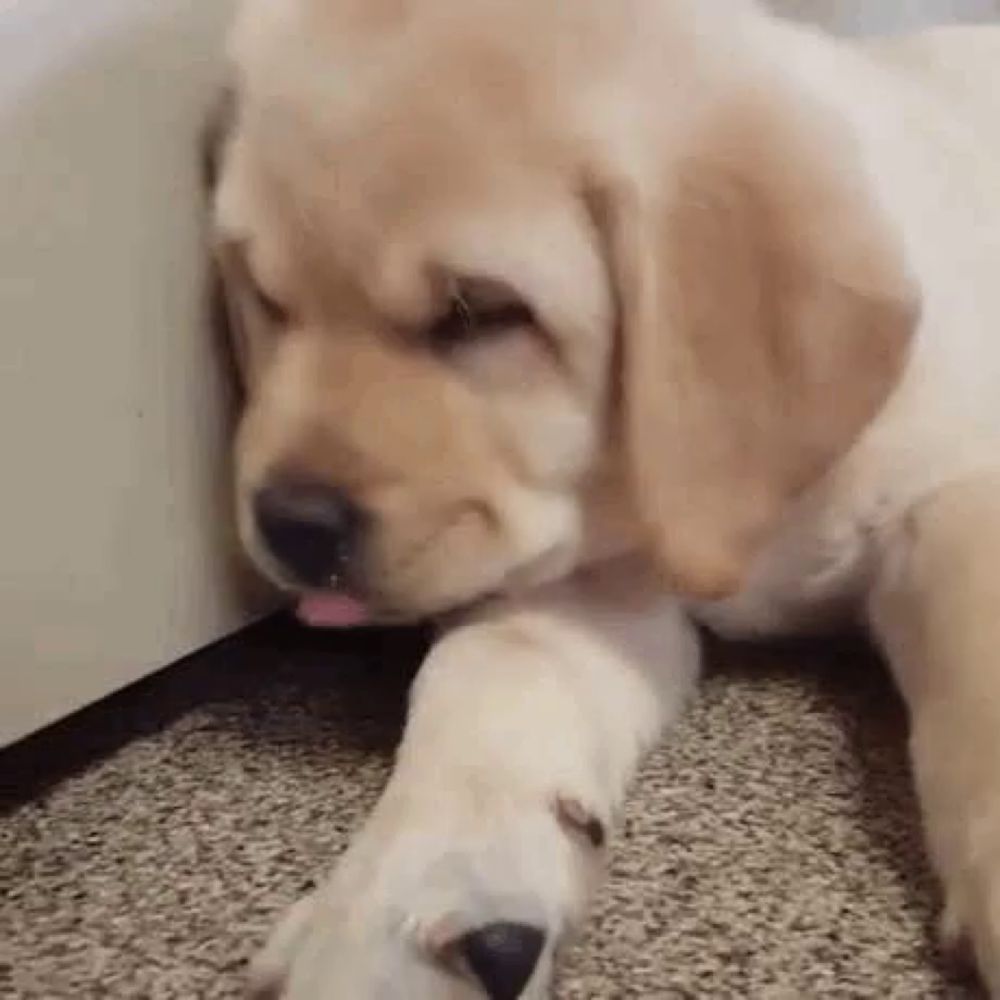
x,y
452,900
965,846
970,923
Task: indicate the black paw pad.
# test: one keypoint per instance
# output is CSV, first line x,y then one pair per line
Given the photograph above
x,y
502,956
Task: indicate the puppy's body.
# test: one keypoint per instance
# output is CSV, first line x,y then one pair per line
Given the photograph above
x,y
541,288
927,110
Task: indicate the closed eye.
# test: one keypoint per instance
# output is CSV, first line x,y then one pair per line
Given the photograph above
x,y
273,311
477,308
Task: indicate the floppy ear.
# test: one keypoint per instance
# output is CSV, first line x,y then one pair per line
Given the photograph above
x,y
765,317
229,315
215,135
235,319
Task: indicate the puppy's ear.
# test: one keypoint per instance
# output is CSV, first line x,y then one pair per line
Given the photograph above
x,y
215,134
236,321
227,310
765,317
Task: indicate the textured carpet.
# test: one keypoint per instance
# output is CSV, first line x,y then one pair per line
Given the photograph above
x,y
770,850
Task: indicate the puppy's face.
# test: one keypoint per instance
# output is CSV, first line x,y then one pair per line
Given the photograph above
x,y
484,257
425,325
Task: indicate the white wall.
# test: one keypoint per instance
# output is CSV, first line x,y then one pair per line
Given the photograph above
x,y
112,414
868,16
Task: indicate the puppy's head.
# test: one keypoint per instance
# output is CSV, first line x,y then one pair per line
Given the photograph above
x,y
505,276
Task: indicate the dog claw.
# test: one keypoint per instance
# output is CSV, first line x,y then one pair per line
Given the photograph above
x,y
572,814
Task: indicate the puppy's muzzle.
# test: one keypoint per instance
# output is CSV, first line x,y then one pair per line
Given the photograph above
x,y
312,530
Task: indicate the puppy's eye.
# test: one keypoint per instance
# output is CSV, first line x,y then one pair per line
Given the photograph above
x,y
270,308
470,318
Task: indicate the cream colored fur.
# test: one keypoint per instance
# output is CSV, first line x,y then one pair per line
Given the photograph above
x,y
879,503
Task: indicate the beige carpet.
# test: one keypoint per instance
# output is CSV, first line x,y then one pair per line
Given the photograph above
x,y
770,849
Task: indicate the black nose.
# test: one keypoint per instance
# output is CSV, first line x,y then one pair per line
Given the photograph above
x,y
310,528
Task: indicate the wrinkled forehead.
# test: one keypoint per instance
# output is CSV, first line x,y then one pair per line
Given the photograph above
x,y
386,139
387,215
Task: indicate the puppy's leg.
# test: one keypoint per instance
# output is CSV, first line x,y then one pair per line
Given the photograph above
x,y
525,727
937,611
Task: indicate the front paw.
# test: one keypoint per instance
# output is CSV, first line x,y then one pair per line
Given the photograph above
x,y
970,923
453,900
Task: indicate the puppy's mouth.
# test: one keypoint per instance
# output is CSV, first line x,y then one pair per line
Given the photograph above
x,y
333,609
345,603
341,608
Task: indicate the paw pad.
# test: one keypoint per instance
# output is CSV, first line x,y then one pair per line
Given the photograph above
x,y
502,956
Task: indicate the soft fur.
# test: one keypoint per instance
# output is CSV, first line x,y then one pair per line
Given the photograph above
x,y
760,387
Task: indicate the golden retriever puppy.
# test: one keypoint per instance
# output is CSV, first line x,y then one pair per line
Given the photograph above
x,y
571,322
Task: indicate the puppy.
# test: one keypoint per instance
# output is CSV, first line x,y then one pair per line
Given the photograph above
x,y
574,322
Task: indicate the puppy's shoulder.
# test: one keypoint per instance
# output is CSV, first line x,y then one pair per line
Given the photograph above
x,y
960,60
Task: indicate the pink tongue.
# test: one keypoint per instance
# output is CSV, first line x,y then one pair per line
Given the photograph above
x,y
331,611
